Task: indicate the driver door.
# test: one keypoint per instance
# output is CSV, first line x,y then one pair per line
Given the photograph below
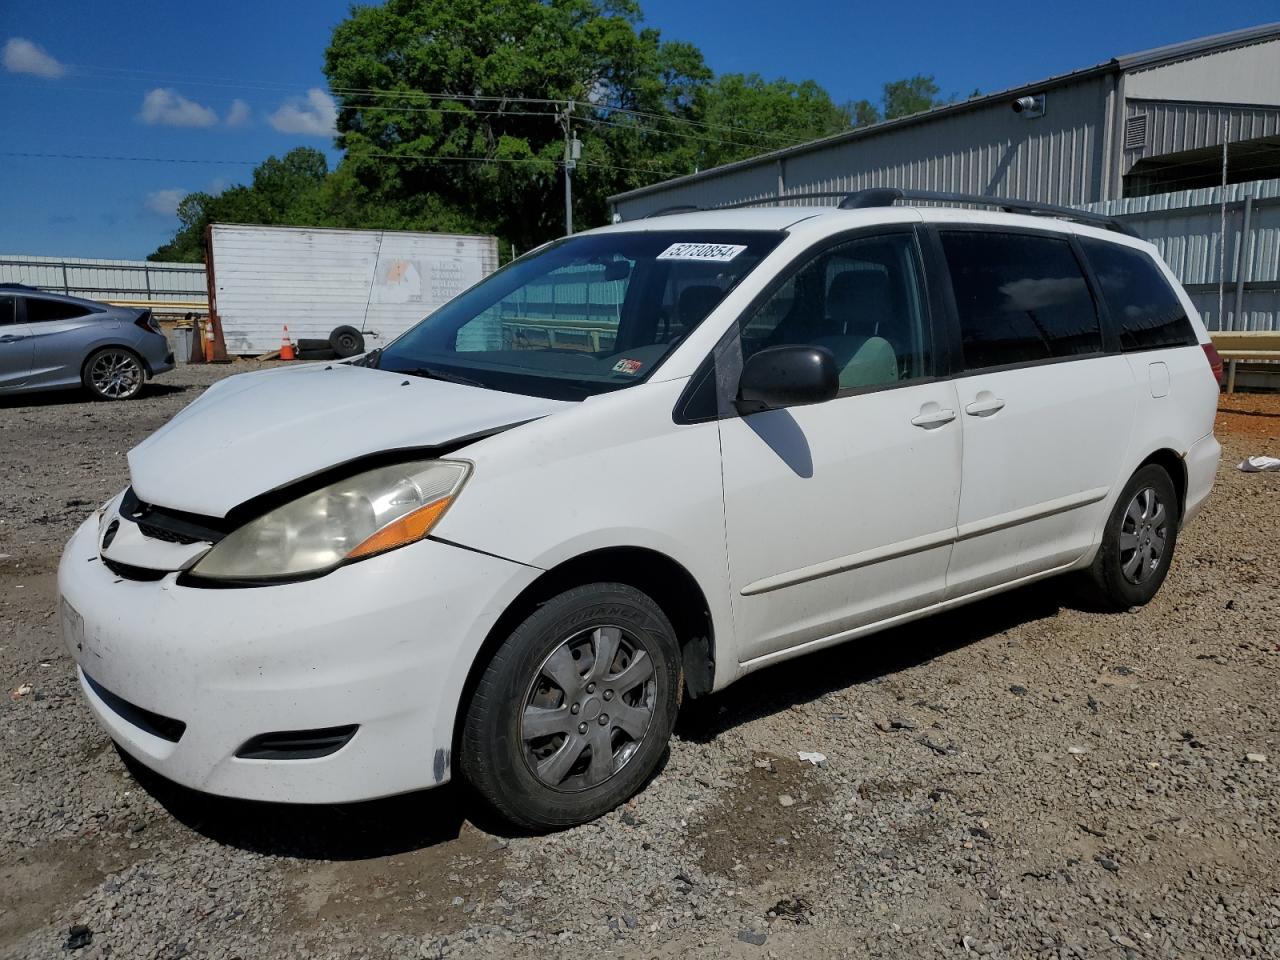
x,y
17,347
842,514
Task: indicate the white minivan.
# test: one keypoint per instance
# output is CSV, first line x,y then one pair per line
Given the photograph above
x,y
631,467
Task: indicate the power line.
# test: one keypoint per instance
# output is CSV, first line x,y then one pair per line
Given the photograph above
x,y
287,87
429,158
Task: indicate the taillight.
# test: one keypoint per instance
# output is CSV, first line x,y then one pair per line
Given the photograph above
x,y
1215,360
147,322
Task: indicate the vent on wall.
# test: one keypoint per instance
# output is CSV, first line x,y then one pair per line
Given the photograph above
x,y
1135,132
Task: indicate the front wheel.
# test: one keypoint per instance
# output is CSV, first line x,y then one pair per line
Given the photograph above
x,y
573,713
113,373
1137,544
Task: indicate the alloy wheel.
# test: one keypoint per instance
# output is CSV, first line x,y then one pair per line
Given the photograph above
x,y
588,708
115,374
1143,535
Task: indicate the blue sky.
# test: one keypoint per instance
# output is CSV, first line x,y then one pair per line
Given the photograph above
x,y
233,81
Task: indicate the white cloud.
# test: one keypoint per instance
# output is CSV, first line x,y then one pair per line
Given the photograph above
x,y
23,56
171,109
239,114
315,115
164,202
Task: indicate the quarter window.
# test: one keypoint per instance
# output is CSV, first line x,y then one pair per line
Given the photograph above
x,y
1143,307
1020,299
861,300
42,311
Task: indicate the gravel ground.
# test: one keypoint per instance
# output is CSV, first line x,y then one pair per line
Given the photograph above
x,y
1020,778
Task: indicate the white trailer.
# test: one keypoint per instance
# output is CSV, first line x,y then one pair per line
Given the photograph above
x,y
315,280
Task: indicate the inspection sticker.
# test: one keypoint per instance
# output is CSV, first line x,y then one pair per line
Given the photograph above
x,y
715,252
631,367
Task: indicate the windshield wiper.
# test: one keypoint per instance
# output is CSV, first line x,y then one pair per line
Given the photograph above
x,y
431,373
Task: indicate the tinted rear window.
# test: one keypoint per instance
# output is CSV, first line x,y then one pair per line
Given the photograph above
x,y
1020,298
6,309
40,311
1146,312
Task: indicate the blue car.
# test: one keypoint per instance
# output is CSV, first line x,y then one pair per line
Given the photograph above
x,y
50,342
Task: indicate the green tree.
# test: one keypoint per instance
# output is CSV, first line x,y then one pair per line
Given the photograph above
x,y
291,190
747,115
455,80
901,98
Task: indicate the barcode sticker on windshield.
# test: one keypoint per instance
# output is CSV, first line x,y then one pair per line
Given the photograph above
x,y
715,252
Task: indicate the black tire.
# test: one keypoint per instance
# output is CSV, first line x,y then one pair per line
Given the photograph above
x,y
314,354
113,373
315,343
1122,575
500,765
346,342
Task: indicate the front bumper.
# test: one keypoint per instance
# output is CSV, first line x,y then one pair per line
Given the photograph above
x,y
385,644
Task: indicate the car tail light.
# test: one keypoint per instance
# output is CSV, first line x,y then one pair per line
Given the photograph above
x,y
147,322
1215,360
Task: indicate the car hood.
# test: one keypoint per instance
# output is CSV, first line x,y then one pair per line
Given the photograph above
x,y
257,432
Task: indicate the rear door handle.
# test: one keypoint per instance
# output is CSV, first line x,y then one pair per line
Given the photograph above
x,y
932,416
985,405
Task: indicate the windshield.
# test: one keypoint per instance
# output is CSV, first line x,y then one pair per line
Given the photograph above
x,y
585,315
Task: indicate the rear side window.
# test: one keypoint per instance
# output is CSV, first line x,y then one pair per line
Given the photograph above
x,y
1020,298
42,311
6,309
1146,312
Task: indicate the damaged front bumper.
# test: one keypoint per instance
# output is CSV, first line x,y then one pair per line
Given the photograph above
x,y
355,676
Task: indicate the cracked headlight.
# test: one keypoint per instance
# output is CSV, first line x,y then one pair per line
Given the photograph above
x,y
367,514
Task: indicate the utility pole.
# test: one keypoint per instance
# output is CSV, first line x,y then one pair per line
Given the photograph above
x,y
572,151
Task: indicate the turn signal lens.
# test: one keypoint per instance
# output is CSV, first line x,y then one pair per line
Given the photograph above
x,y
407,529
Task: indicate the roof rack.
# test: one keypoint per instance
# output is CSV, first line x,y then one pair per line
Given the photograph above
x,y
887,196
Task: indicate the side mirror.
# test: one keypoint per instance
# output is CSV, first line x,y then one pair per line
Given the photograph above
x,y
789,376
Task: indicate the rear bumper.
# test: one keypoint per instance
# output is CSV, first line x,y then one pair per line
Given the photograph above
x,y
183,678
1202,469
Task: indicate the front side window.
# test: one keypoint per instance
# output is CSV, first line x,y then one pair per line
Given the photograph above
x,y
586,315
863,301
1020,298
40,310
1145,310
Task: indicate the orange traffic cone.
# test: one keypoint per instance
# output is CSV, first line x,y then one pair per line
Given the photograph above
x,y
286,345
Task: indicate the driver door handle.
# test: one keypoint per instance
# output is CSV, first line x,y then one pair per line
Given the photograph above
x,y
11,338
984,406
933,418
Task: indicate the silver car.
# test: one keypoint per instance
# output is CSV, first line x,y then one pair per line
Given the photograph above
x,y
49,341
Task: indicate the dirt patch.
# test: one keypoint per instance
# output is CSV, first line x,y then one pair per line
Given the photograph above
x,y
1252,415
771,820
41,882
427,892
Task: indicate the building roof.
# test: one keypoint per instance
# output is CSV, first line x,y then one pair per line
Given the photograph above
x,y
1124,63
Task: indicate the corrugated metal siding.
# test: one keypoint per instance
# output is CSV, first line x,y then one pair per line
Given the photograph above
x,y
107,279
1186,227
380,282
1245,74
1176,127
987,150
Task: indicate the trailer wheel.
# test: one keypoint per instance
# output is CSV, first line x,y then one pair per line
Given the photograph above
x,y
346,342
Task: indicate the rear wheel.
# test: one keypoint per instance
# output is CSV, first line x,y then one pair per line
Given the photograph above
x,y
573,713
113,373
1137,545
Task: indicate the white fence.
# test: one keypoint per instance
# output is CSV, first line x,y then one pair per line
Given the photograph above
x,y
108,279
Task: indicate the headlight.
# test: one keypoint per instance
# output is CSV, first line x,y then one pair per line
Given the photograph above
x,y
366,514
